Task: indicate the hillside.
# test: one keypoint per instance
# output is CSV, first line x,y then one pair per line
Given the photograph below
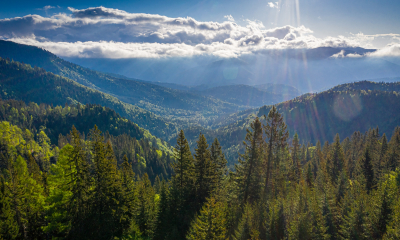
x,y
22,82
240,94
250,96
319,116
146,153
173,104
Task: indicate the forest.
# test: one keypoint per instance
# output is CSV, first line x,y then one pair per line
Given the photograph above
x,y
279,189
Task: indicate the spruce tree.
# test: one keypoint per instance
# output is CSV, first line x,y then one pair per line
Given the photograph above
x,y
367,169
204,171
182,193
8,225
277,134
210,223
129,196
295,169
219,162
249,170
80,185
163,214
335,160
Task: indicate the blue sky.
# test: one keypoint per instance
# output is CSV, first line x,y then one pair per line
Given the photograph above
x,y
257,24
325,17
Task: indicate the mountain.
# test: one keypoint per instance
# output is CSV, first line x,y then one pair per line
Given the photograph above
x,y
308,70
344,109
241,94
22,82
183,106
247,95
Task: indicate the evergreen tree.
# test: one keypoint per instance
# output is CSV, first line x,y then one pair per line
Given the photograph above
x,y
78,206
277,135
210,223
204,171
335,160
367,169
219,162
147,211
105,201
182,193
249,170
296,171
163,214
128,198
8,225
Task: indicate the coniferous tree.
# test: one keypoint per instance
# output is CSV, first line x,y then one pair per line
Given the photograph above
x,y
147,209
8,225
219,162
277,135
367,169
393,155
182,192
295,176
335,160
128,198
163,214
210,223
204,171
248,172
78,206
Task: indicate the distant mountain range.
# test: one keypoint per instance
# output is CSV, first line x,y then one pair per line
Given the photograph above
x,y
178,103
308,70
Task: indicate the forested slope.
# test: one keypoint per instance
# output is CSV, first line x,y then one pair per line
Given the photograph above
x,y
319,116
22,82
52,125
182,106
280,189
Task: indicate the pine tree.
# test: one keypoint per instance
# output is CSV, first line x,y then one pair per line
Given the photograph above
x,y
335,160
204,171
248,172
277,135
247,228
393,155
163,214
296,171
382,154
367,169
219,162
8,225
129,197
210,223
78,206
147,212
182,192
105,208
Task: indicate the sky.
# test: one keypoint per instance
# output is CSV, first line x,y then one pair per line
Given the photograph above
x,y
226,28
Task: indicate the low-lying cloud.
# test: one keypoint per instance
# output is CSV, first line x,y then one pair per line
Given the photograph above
x,y
111,33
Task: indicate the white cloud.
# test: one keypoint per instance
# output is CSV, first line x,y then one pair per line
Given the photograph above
x,y
391,50
45,8
230,18
112,33
273,4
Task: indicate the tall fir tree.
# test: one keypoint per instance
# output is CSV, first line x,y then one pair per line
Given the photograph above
x,y
219,162
210,223
204,172
249,170
276,134
335,160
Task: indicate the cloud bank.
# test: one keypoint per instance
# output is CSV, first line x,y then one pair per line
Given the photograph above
x,y
111,33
